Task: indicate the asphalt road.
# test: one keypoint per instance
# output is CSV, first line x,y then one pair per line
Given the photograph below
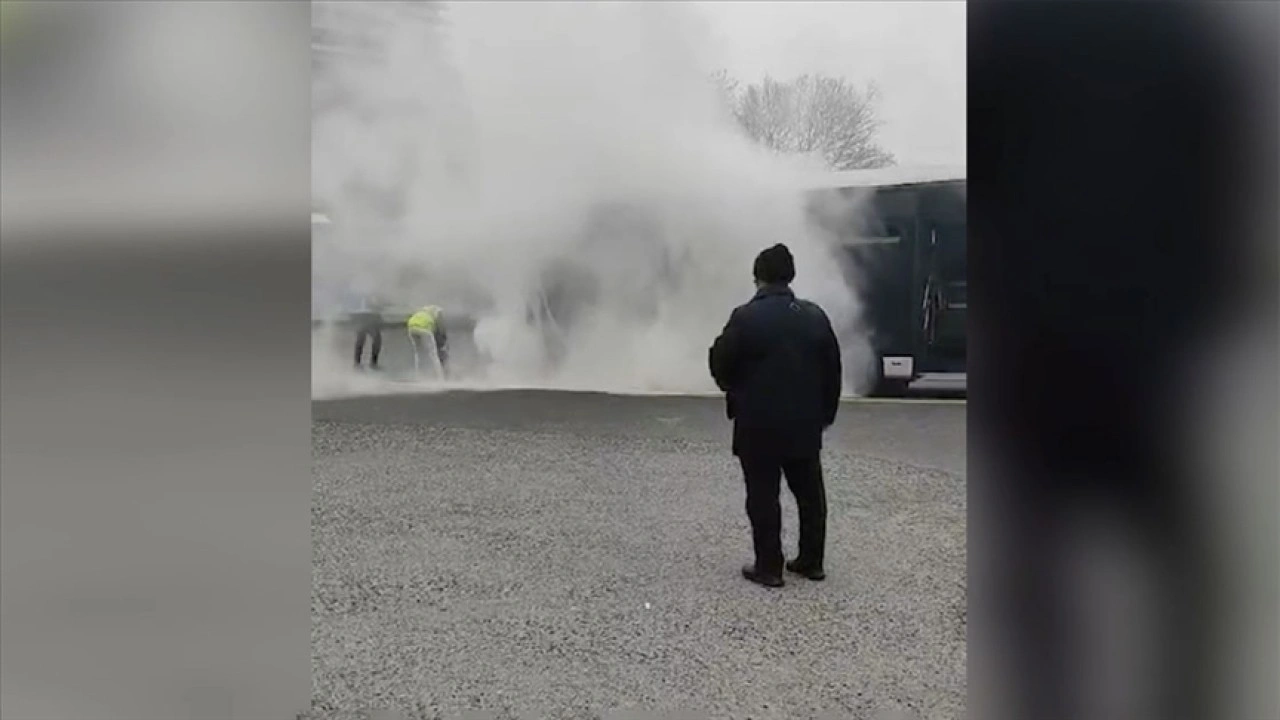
x,y
572,555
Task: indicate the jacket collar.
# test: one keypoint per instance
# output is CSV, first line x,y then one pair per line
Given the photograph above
x,y
772,290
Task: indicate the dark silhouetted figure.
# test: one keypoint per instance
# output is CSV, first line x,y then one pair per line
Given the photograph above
x,y
368,322
778,362
1097,295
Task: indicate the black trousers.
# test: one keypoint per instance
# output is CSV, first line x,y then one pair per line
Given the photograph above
x,y
763,475
366,328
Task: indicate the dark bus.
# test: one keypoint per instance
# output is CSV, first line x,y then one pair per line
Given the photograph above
x,y
902,234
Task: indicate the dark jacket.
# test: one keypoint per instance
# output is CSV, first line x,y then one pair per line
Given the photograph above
x,y
778,362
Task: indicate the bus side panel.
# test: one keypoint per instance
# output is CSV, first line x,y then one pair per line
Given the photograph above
x,y
883,260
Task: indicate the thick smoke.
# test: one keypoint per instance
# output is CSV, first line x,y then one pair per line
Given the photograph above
x,y
564,173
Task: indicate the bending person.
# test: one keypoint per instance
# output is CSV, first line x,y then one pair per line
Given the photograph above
x,y
427,326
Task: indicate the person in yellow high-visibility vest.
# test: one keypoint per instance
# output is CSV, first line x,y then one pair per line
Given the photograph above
x,y
427,324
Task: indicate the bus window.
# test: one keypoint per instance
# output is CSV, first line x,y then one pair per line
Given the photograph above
x,y
951,252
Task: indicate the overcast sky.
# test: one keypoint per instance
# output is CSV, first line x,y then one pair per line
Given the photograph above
x,y
915,52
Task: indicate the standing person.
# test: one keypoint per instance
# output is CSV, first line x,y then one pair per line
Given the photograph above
x,y
368,321
428,323
778,362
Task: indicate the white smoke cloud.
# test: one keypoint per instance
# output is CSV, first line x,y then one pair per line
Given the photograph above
x,y
511,133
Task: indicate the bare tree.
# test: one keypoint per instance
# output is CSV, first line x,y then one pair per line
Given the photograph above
x,y
727,87
812,114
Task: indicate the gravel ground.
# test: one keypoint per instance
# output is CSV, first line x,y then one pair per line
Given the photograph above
x,y
526,554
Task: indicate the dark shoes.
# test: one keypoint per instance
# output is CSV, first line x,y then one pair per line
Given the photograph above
x,y
768,580
812,573
775,580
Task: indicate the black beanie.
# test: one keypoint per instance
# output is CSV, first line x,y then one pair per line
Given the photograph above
x,y
775,266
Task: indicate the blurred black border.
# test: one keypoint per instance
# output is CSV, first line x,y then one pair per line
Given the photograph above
x,y
1113,150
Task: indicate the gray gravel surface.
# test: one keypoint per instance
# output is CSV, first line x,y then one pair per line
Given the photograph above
x,y
565,555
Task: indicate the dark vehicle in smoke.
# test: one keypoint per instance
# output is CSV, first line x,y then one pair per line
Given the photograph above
x,y
345,262
616,261
902,233
619,258
614,267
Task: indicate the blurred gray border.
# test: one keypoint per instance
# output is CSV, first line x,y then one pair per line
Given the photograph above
x,y
154,360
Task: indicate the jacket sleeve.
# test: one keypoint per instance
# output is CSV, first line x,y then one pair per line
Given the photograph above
x,y
832,372
726,352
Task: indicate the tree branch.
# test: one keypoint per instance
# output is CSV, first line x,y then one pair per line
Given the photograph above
x,y
811,114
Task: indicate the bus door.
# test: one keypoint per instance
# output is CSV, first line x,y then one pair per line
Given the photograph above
x,y
946,297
